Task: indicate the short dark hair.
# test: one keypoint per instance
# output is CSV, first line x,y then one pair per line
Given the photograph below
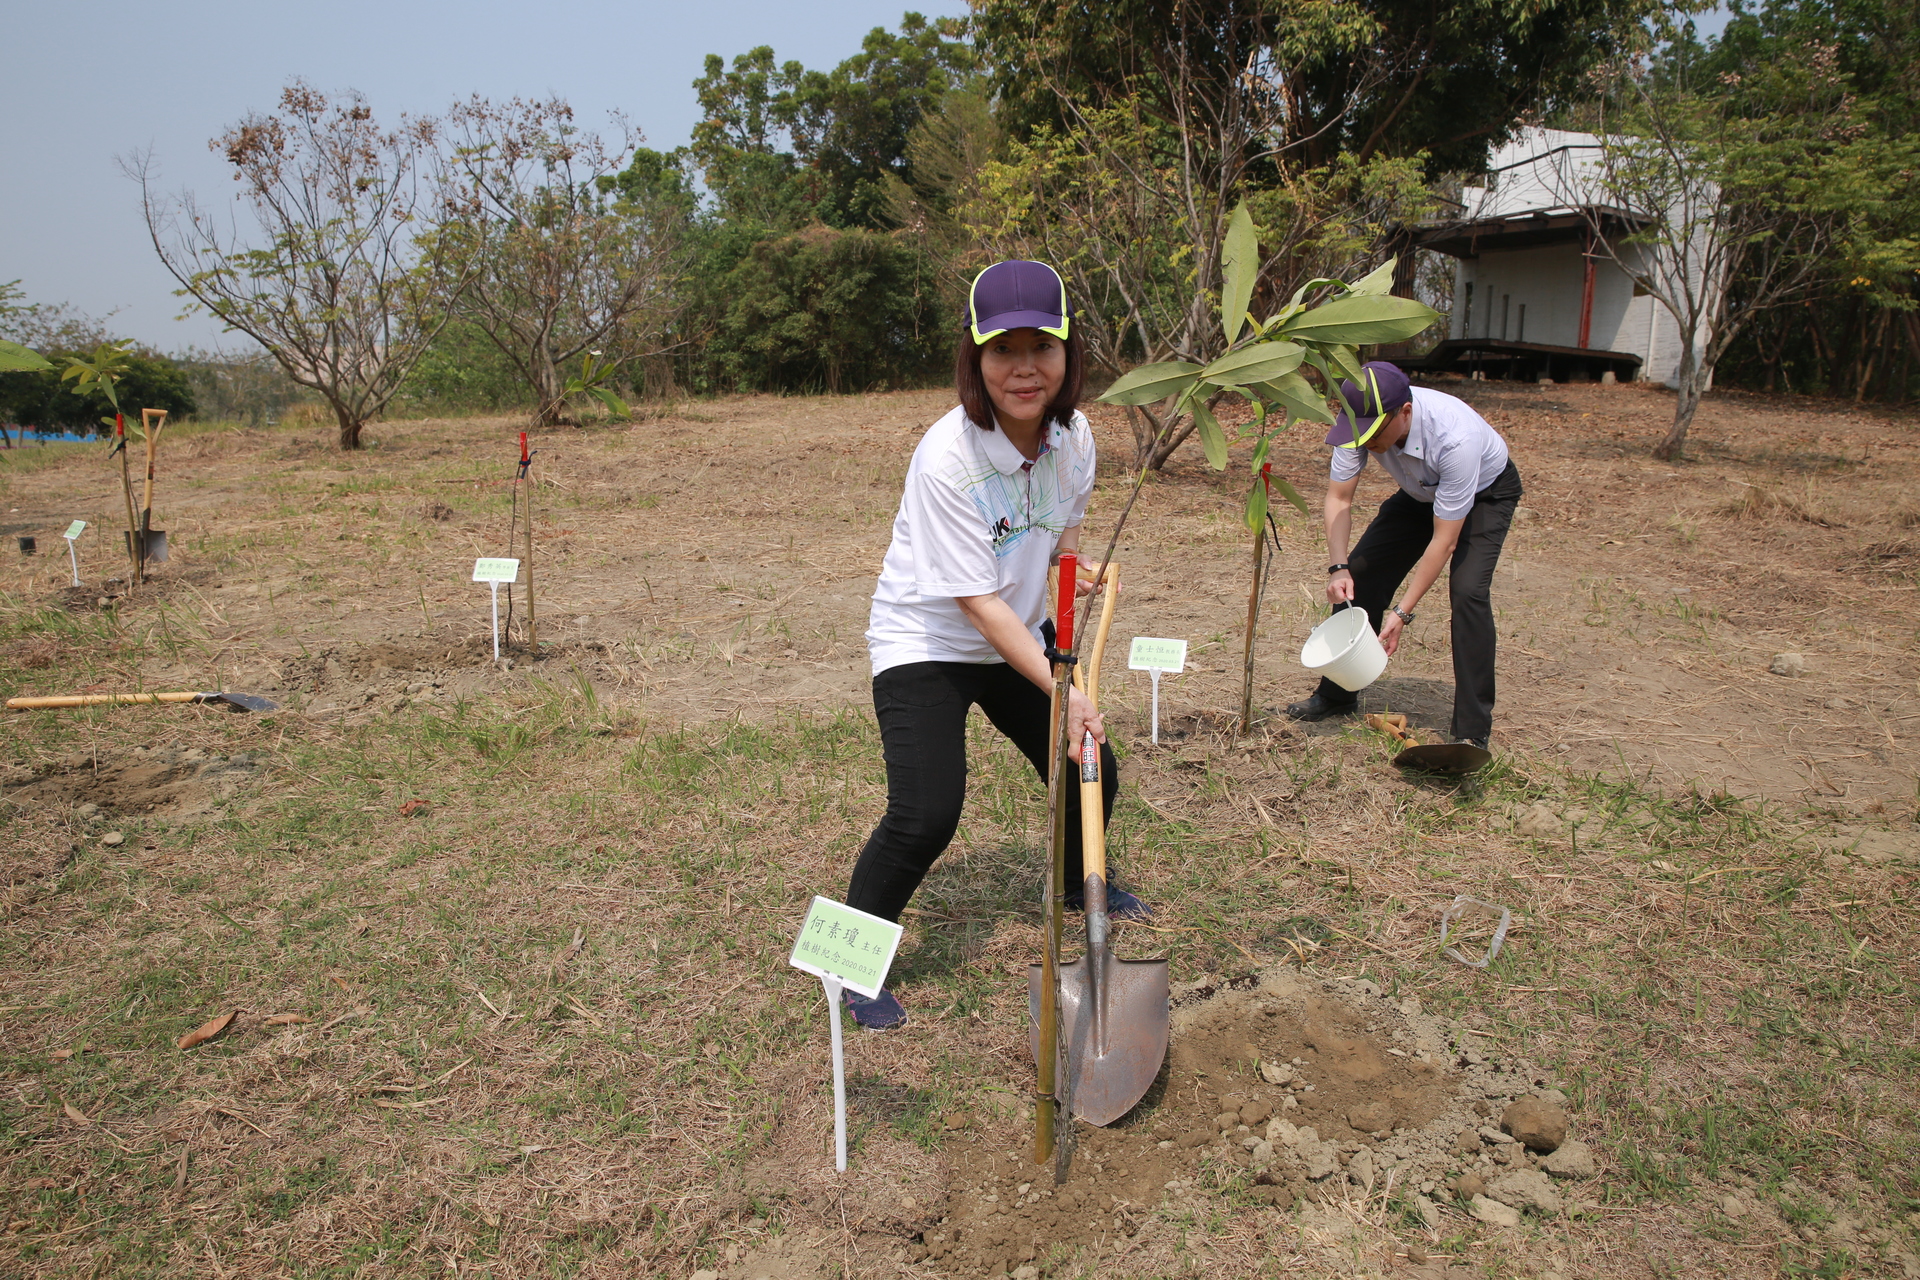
x,y
973,387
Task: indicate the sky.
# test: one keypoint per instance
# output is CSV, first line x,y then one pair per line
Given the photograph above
x,y
83,87
169,78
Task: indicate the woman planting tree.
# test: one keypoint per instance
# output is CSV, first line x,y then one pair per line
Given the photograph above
x,y
994,494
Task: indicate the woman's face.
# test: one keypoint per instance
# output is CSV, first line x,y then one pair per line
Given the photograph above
x,y
1023,370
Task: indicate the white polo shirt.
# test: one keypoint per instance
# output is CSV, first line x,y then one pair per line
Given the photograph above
x,y
976,519
1450,454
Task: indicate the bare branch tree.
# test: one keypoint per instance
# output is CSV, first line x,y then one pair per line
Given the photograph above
x,y
1721,193
346,279
566,265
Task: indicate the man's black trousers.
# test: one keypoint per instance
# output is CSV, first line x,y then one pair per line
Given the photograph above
x,y
922,708
1394,543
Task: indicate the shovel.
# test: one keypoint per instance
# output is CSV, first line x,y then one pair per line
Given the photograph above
x,y
1113,1013
238,701
1435,757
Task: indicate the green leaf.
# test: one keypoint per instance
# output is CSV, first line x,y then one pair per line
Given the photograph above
x,y
610,400
1291,494
15,358
1358,321
1377,282
1346,361
1256,513
1295,394
1212,438
1239,266
1152,382
1259,362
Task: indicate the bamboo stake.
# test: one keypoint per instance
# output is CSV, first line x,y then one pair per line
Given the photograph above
x,y
1046,1102
151,420
533,625
1253,611
126,488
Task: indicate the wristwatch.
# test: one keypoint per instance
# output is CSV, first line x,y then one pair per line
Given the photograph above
x,y
1404,615
1336,568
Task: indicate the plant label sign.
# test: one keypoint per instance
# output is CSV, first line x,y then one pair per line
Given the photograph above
x,y
495,569
1149,654
1153,656
75,529
848,946
843,948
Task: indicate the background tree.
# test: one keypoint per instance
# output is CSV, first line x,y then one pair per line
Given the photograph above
x,y
1132,192
566,260
1857,332
1743,196
345,279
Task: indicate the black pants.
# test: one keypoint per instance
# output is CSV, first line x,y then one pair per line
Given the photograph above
x,y
922,708
1394,543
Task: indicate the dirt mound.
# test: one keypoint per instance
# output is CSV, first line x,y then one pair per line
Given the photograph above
x,y
1278,1088
168,782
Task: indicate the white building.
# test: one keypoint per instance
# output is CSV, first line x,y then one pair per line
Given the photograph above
x,y
1534,295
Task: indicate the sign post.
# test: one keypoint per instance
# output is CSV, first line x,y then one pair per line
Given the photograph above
x,y
1154,656
74,530
494,570
844,948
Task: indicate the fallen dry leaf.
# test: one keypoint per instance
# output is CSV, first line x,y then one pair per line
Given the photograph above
x,y
566,953
75,1114
339,982
61,1055
412,807
285,1019
408,1106
207,1030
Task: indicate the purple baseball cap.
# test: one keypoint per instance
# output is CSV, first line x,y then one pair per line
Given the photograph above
x,y
1017,294
1382,391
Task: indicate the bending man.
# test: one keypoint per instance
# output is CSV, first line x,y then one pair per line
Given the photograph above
x,y
1458,489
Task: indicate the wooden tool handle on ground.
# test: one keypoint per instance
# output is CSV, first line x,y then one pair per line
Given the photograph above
x,y
95,700
1394,725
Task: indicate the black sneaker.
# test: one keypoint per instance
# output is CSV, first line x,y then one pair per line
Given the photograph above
x,y
1121,905
882,1013
1319,707
1474,742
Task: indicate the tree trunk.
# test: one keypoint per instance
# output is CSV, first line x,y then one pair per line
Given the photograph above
x,y
549,397
1692,375
350,425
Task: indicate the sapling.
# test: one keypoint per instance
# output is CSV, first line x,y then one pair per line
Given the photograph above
x,y
1265,371
102,372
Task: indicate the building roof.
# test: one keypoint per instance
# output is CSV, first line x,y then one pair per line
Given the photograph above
x,y
1538,190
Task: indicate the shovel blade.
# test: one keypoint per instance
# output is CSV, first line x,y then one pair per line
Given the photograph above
x,y
1113,1055
1444,757
244,701
155,541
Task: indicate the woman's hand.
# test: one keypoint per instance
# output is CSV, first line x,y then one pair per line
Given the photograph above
x,y
1082,719
1340,587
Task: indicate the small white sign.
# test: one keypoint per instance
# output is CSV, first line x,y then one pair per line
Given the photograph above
x,y
495,569
843,948
1149,654
75,529
849,946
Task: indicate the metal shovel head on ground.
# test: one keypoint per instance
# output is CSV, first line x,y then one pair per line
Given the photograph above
x,y
1434,757
152,547
238,701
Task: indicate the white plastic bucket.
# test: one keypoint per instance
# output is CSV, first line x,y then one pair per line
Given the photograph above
x,y
1345,650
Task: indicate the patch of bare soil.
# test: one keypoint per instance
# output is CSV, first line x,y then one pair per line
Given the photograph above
x,y
1278,1088
169,782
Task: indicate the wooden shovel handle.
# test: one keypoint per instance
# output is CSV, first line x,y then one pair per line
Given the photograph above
x,y
1112,588
96,700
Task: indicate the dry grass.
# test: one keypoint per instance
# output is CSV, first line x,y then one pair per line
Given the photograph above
x,y
472,1095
